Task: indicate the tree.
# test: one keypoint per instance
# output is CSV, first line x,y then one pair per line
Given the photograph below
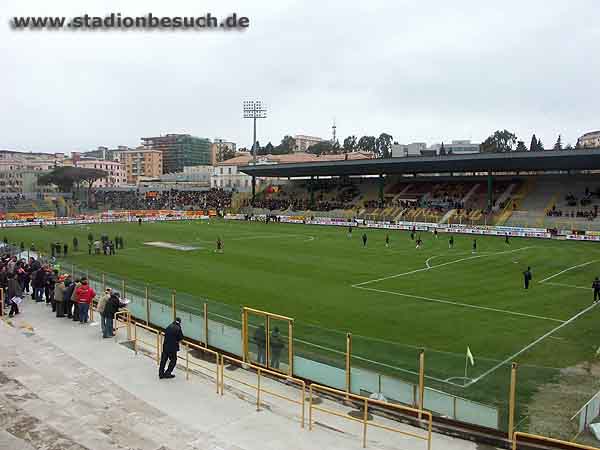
x,y
540,146
268,148
350,144
569,147
442,150
533,144
521,147
259,150
321,148
224,152
500,141
578,145
367,144
558,146
383,145
287,145
67,177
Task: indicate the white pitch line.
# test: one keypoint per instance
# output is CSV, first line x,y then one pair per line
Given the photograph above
x,y
439,265
465,305
537,341
552,283
568,269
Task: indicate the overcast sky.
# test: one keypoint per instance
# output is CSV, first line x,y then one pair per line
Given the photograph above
x,y
425,71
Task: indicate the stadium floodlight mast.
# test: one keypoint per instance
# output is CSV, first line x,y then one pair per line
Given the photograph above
x,y
254,109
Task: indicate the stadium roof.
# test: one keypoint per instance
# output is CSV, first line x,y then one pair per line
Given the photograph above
x,y
588,159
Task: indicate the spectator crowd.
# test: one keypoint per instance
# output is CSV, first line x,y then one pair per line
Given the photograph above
x,y
68,297
170,199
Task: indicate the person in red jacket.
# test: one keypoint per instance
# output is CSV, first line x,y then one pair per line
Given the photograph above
x,y
85,295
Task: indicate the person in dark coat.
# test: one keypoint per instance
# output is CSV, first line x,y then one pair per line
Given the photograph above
x,y
260,339
110,309
14,290
173,335
276,347
38,281
68,304
596,288
527,277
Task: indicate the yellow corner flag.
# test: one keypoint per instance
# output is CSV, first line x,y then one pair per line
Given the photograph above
x,y
470,356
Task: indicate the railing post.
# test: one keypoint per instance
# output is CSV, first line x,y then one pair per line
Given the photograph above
x,y
123,295
128,325
348,364
365,422
244,335
157,347
268,349
173,305
222,363
147,307
291,351
421,380
135,339
511,401
258,390
310,404
205,324
187,362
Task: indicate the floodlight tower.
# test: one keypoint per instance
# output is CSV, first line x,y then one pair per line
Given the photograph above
x,y
254,109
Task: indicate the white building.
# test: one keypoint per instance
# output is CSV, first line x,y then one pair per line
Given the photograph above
x,y
227,175
303,142
116,171
590,140
458,147
403,150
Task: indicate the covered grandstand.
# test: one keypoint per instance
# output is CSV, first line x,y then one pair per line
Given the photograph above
x,y
554,189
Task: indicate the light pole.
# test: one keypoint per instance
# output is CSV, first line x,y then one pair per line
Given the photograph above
x,y
254,109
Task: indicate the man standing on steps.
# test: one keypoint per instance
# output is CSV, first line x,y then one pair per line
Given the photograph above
x,y
173,335
527,277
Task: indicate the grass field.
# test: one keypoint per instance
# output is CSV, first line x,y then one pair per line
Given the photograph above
x,y
394,300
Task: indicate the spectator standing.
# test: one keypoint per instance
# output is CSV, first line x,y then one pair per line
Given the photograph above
x,y
260,338
74,300
59,296
101,307
85,296
276,347
110,309
173,335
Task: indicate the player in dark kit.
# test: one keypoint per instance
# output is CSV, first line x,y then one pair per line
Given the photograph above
x,y
349,232
387,241
527,277
140,221
419,242
506,241
219,246
364,239
435,233
596,288
451,242
474,246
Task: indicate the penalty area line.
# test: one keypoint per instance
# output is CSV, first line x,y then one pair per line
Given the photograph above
x,y
464,305
428,267
537,341
568,269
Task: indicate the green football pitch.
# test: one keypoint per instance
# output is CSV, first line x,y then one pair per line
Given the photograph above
x,y
393,300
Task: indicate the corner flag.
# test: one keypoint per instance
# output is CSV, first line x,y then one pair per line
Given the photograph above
x,y
470,356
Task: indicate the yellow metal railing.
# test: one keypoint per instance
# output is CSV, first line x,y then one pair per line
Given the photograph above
x,y
126,322
547,441
259,388
421,416
189,345
136,339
